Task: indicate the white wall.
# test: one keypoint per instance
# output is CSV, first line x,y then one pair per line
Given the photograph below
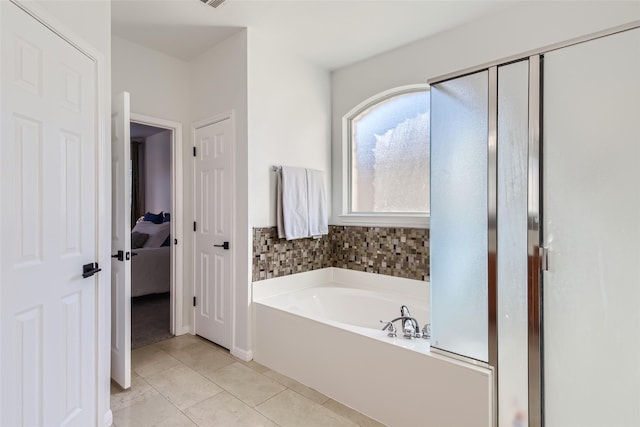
x,y
157,170
517,30
158,83
289,121
282,116
186,92
91,21
289,124
218,81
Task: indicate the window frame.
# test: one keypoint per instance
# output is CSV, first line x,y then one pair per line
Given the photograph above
x,y
347,216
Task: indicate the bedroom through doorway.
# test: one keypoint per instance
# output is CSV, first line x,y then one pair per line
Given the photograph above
x,y
151,237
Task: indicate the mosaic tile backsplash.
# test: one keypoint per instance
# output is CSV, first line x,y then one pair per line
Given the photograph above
x,y
402,252
274,257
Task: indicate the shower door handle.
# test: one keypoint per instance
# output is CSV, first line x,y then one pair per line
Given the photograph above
x,y
543,253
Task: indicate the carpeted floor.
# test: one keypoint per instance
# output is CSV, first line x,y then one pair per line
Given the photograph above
x,y
149,319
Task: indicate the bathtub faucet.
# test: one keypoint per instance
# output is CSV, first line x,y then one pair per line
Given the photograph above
x,y
410,327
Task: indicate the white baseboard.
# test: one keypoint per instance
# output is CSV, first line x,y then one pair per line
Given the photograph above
x,y
184,330
108,418
241,354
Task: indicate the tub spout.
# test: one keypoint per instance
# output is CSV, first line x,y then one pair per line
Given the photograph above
x,y
404,311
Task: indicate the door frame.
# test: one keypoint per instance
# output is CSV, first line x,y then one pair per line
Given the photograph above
x,y
177,216
103,415
227,115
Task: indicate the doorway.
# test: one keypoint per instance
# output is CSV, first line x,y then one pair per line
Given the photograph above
x,y
168,134
151,235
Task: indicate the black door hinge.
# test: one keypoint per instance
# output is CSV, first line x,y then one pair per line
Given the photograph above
x,y
194,226
194,301
175,241
194,151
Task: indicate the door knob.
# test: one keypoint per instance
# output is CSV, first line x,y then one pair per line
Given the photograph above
x,y
90,269
121,256
224,246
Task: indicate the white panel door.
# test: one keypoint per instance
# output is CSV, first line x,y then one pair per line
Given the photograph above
x,y
48,199
591,212
121,242
213,208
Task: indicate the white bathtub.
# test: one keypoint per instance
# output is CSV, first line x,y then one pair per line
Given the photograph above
x,y
322,329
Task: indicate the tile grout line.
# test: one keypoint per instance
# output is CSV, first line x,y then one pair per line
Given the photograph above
x,y
272,397
183,412
322,405
224,390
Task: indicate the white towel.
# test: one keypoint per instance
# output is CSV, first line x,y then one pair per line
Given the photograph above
x,y
295,208
317,202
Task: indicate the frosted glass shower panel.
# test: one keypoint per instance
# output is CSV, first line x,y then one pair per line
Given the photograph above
x,y
459,119
591,199
513,141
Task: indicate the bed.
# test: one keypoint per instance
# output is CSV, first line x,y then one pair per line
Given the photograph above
x,y
151,258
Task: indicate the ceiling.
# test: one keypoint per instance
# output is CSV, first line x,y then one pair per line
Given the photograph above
x,y
330,33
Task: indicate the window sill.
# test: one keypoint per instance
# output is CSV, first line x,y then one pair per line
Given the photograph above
x,y
369,220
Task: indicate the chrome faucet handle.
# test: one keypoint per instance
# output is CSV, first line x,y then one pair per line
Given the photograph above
x,y
426,331
392,331
389,325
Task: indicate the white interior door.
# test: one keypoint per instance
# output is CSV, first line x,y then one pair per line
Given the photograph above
x,y
213,224
48,198
591,212
121,242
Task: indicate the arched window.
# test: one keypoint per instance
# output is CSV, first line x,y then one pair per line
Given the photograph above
x,y
388,154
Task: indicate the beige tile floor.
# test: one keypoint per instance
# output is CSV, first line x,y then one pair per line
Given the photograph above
x,y
189,381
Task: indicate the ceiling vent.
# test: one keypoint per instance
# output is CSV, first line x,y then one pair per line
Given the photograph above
x,y
213,3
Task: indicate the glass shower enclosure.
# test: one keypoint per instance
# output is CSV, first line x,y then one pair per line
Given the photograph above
x,y
535,230
479,163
